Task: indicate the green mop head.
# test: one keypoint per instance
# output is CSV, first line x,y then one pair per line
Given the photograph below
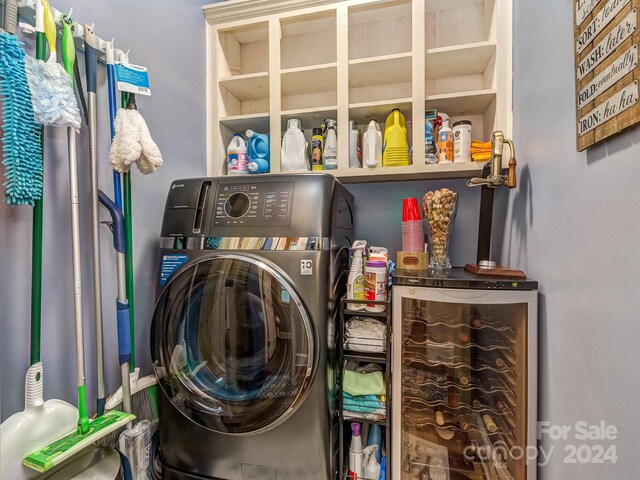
x,y
21,146
65,448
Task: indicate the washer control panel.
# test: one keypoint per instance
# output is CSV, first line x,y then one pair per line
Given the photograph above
x,y
253,204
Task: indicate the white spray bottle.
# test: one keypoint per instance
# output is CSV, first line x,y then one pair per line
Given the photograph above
x,y
355,282
356,467
372,467
330,153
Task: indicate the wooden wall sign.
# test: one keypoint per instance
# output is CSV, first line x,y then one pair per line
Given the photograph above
x,y
607,73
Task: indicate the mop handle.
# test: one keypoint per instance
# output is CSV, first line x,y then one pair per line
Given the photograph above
x,y
113,108
68,59
124,338
91,45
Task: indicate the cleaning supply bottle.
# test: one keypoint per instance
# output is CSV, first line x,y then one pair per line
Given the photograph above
x,y
257,152
237,156
355,281
375,438
293,154
372,145
330,154
356,468
355,148
445,143
317,141
395,149
372,467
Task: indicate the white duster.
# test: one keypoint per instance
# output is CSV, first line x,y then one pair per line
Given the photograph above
x,y
132,143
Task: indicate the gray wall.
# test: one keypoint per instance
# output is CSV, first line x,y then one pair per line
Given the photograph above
x,y
573,224
168,37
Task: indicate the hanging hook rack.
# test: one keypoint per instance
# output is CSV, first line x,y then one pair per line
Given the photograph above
x,y
27,11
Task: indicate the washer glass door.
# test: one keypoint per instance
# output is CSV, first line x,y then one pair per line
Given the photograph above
x,y
232,344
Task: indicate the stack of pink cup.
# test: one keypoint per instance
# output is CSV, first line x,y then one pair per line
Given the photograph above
x,y
412,233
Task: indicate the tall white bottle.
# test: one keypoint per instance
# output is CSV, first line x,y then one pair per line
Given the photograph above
x,y
356,467
330,153
355,282
372,145
293,154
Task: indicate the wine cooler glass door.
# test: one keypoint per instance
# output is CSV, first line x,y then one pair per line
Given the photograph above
x,y
464,399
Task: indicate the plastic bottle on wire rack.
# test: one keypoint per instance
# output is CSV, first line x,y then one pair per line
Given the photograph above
x,y
356,467
376,283
237,156
372,467
355,281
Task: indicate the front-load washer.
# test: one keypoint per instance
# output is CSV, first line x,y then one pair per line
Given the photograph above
x,y
244,331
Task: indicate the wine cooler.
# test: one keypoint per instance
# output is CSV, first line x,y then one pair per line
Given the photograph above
x,y
464,377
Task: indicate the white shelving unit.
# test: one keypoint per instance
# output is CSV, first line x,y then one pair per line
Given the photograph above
x,y
272,60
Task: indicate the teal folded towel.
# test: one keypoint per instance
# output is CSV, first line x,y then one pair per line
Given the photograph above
x,y
362,403
355,383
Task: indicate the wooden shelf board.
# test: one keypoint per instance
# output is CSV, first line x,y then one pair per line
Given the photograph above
x,y
258,122
383,70
315,78
400,174
363,112
458,60
309,117
462,103
251,86
412,172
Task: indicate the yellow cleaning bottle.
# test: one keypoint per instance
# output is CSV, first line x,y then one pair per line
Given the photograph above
x,y
395,150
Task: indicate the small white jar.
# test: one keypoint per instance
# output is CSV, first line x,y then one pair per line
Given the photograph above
x,y
462,141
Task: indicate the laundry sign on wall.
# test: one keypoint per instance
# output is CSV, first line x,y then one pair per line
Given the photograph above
x,y
607,73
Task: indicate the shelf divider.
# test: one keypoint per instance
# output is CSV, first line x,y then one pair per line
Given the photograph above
x,y
275,101
342,57
417,85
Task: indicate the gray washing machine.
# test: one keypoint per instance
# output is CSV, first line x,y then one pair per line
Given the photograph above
x,y
244,331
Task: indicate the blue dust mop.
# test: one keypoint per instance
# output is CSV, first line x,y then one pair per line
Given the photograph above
x,y
22,151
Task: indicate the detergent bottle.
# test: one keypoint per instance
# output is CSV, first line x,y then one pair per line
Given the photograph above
x,y
293,155
372,145
395,150
257,152
237,156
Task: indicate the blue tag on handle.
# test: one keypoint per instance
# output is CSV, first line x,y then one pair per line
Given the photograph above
x,y
132,78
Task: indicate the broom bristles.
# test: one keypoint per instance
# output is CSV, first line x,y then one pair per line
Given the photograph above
x,y
144,405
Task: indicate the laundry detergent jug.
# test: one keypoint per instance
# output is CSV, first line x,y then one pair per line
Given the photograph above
x,y
257,152
372,145
293,155
395,150
237,156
